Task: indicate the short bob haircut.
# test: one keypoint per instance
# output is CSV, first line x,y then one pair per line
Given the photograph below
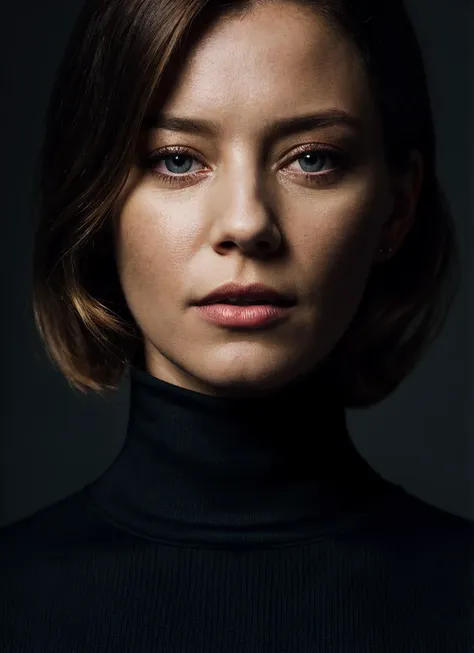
x,y
121,59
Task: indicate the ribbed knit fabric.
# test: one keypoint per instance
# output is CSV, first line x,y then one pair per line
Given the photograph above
x,y
237,526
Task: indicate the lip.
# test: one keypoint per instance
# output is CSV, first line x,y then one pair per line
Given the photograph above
x,y
244,317
253,292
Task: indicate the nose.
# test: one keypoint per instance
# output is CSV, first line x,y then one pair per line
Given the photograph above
x,y
246,223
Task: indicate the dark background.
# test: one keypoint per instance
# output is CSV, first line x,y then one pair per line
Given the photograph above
x,y
53,441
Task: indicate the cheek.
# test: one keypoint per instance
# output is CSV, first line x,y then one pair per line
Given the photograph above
x,y
153,247
152,253
337,244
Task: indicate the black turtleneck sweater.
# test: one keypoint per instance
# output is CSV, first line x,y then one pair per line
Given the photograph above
x,y
237,526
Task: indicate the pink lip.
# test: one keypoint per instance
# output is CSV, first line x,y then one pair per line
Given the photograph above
x,y
257,291
247,317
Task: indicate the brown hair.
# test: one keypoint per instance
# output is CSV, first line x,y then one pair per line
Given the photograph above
x,y
121,56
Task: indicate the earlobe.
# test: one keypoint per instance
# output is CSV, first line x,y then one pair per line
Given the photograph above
x,y
405,196
411,184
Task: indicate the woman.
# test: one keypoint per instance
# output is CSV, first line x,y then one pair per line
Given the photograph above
x,y
202,157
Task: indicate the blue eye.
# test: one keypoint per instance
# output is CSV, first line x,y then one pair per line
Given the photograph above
x,y
178,161
314,155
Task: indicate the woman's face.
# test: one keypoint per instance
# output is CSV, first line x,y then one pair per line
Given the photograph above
x,y
249,213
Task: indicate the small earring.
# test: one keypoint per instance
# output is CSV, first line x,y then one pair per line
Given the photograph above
x,y
389,250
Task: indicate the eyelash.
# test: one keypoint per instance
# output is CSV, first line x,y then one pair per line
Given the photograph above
x,y
153,158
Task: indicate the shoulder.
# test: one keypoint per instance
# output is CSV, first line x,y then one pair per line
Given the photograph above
x,y
417,528
48,529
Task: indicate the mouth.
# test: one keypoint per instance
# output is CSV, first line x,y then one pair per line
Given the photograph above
x,y
253,294
242,301
238,315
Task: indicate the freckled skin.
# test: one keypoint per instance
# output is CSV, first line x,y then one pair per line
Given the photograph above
x,y
251,216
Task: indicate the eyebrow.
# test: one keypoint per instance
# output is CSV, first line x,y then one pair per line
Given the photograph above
x,y
283,127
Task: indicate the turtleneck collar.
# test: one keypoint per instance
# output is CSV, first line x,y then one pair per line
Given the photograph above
x,y
207,470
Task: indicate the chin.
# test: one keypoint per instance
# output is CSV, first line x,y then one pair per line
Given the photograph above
x,y
246,375
235,368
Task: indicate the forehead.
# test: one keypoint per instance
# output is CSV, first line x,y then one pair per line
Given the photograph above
x,y
275,61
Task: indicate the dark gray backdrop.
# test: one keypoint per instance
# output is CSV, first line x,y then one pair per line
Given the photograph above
x,y
54,441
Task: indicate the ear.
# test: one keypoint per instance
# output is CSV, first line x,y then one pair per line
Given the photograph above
x,y
406,189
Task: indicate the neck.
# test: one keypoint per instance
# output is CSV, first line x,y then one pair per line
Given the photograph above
x,y
197,467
